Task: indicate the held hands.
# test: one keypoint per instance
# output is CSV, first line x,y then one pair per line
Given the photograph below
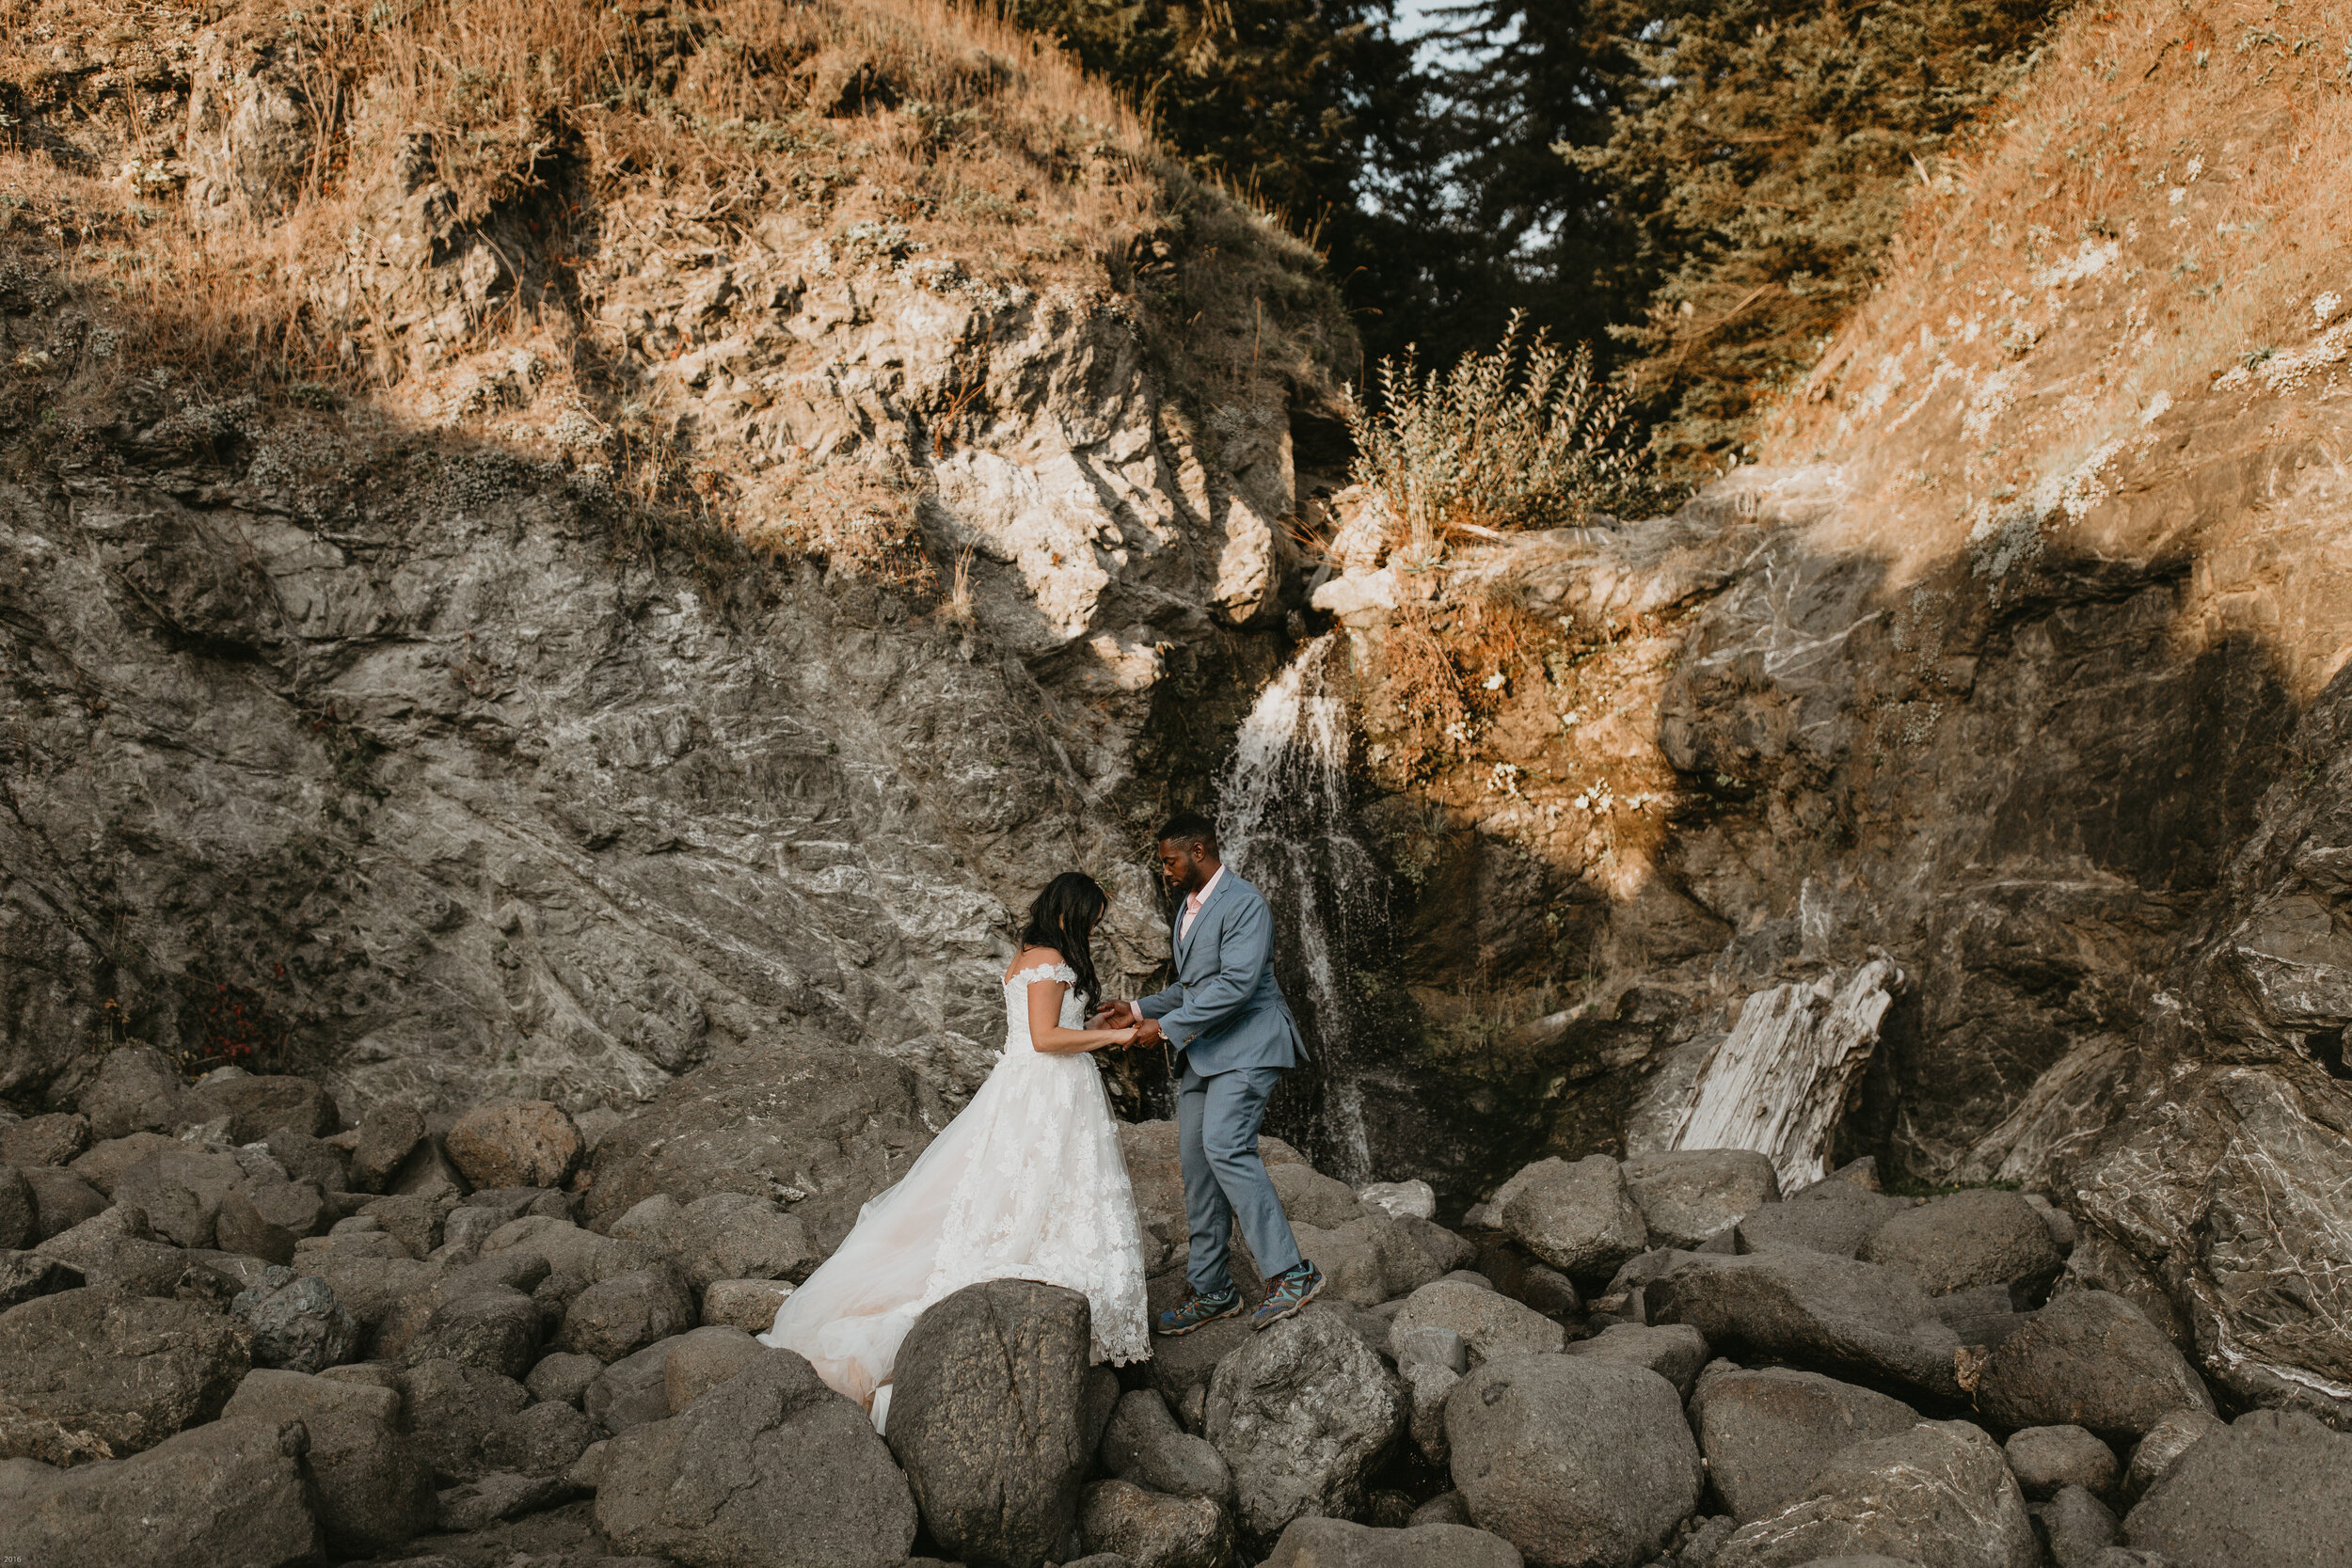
x,y
1114,1015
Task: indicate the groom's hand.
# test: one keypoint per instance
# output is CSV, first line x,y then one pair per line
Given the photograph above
x,y
1150,1033
1114,1015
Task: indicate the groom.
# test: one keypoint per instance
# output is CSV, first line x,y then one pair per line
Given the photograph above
x,y
1233,1036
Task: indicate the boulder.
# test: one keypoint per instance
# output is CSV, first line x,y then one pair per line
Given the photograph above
x,y
995,1420
490,1327
1490,1325
701,1359
1836,1217
1578,1462
1447,1250
265,1216
1369,1259
542,1439
615,1317
1180,1368
1675,1351
1338,1544
44,1140
416,1221
389,1133
129,1370
1409,1199
428,1174
61,1200
749,1305
2272,1487
1815,1310
1938,1496
257,1105
1579,1218
231,1491
563,1375
1150,1529
1310,1198
2044,1459
1300,1414
455,1411
2154,1455
20,1210
306,1157
1144,1444
102,1163
296,1325
732,1236
136,1090
1428,1386
2088,1359
633,1391
1966,1239
2080,1527
1767,1433
475,1506
1446,1508
26,1274
515,1143
771,1470
180,1190
1688,1195
374,1485
117,1249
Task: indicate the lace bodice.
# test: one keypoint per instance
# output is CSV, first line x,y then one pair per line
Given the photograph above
x,y
1017,1003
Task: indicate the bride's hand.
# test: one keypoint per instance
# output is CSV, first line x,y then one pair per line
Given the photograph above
x,y
1124,1036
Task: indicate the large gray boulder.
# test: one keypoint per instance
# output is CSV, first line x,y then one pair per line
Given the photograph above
x,y
490,1327
2088,1359
116,1249
1815,1310
45,1140
265,1216
375,1484
296,1325
61,1200
995,1418
1688,1195
1301,1413
1489,1323
456,1412
771,1470
1369,1259
1835,1217
1966,1239
227,1495
1579,1218
736,1236
129,1370
1938,1496
614,1317
1768,1432
700,1359
1154,1530
180,1190
1144,1444
1338,1544
1675,1351
136,1090
1578,1462
389,1133
542,1439
26,1274
632,1391
2046,1459
2080,1529
2271,1488
249,1106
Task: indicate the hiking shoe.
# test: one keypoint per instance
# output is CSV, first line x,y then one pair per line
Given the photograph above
x,y
1197,1312
1291,1289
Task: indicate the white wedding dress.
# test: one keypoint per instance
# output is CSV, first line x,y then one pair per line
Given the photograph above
x,y
1026,1183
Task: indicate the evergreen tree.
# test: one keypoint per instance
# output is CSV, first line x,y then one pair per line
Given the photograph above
x,y
1758,167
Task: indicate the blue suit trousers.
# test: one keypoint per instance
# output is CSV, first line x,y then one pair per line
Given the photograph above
x,y
1216,1131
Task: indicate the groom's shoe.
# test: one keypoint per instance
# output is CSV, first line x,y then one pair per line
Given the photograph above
x,y
1197,1312
1291,1289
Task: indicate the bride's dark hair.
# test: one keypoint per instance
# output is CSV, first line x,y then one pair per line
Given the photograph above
x,y
1063,918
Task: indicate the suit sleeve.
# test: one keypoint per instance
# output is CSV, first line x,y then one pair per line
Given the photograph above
x,y
1161,1001
1245,948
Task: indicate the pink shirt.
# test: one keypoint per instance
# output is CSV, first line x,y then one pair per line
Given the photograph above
x,y
1192,905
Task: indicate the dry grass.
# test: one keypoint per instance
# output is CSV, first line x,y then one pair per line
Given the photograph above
x,y
2163,213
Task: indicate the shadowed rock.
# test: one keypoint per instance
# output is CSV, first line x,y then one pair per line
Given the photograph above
x,y
231,1491
2088,1359
131,1370
1813,1309
1768,1432
1300,1414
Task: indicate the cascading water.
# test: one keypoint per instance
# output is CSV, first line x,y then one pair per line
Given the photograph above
x,y
1287,827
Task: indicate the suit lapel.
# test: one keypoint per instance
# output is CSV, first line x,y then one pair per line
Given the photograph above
x,y
1216,896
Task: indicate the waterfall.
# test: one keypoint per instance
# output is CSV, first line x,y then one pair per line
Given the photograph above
x,y
1287,827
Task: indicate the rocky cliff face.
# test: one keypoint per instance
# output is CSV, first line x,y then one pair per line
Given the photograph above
x,y
706,632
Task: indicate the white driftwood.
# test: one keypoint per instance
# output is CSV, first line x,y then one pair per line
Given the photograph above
x,y
1778,1081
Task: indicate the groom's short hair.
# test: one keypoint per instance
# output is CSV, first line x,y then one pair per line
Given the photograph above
x,y
1185,826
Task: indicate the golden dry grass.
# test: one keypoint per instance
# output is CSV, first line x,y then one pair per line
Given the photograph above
x,y
2162,209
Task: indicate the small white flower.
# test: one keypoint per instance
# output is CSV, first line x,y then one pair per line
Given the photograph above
x,y
2325,307
1496,681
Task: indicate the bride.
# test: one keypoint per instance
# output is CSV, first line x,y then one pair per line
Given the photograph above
x,y
1026,1183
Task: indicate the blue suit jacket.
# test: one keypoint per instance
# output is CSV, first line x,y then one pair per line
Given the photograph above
x,y
1225,1010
